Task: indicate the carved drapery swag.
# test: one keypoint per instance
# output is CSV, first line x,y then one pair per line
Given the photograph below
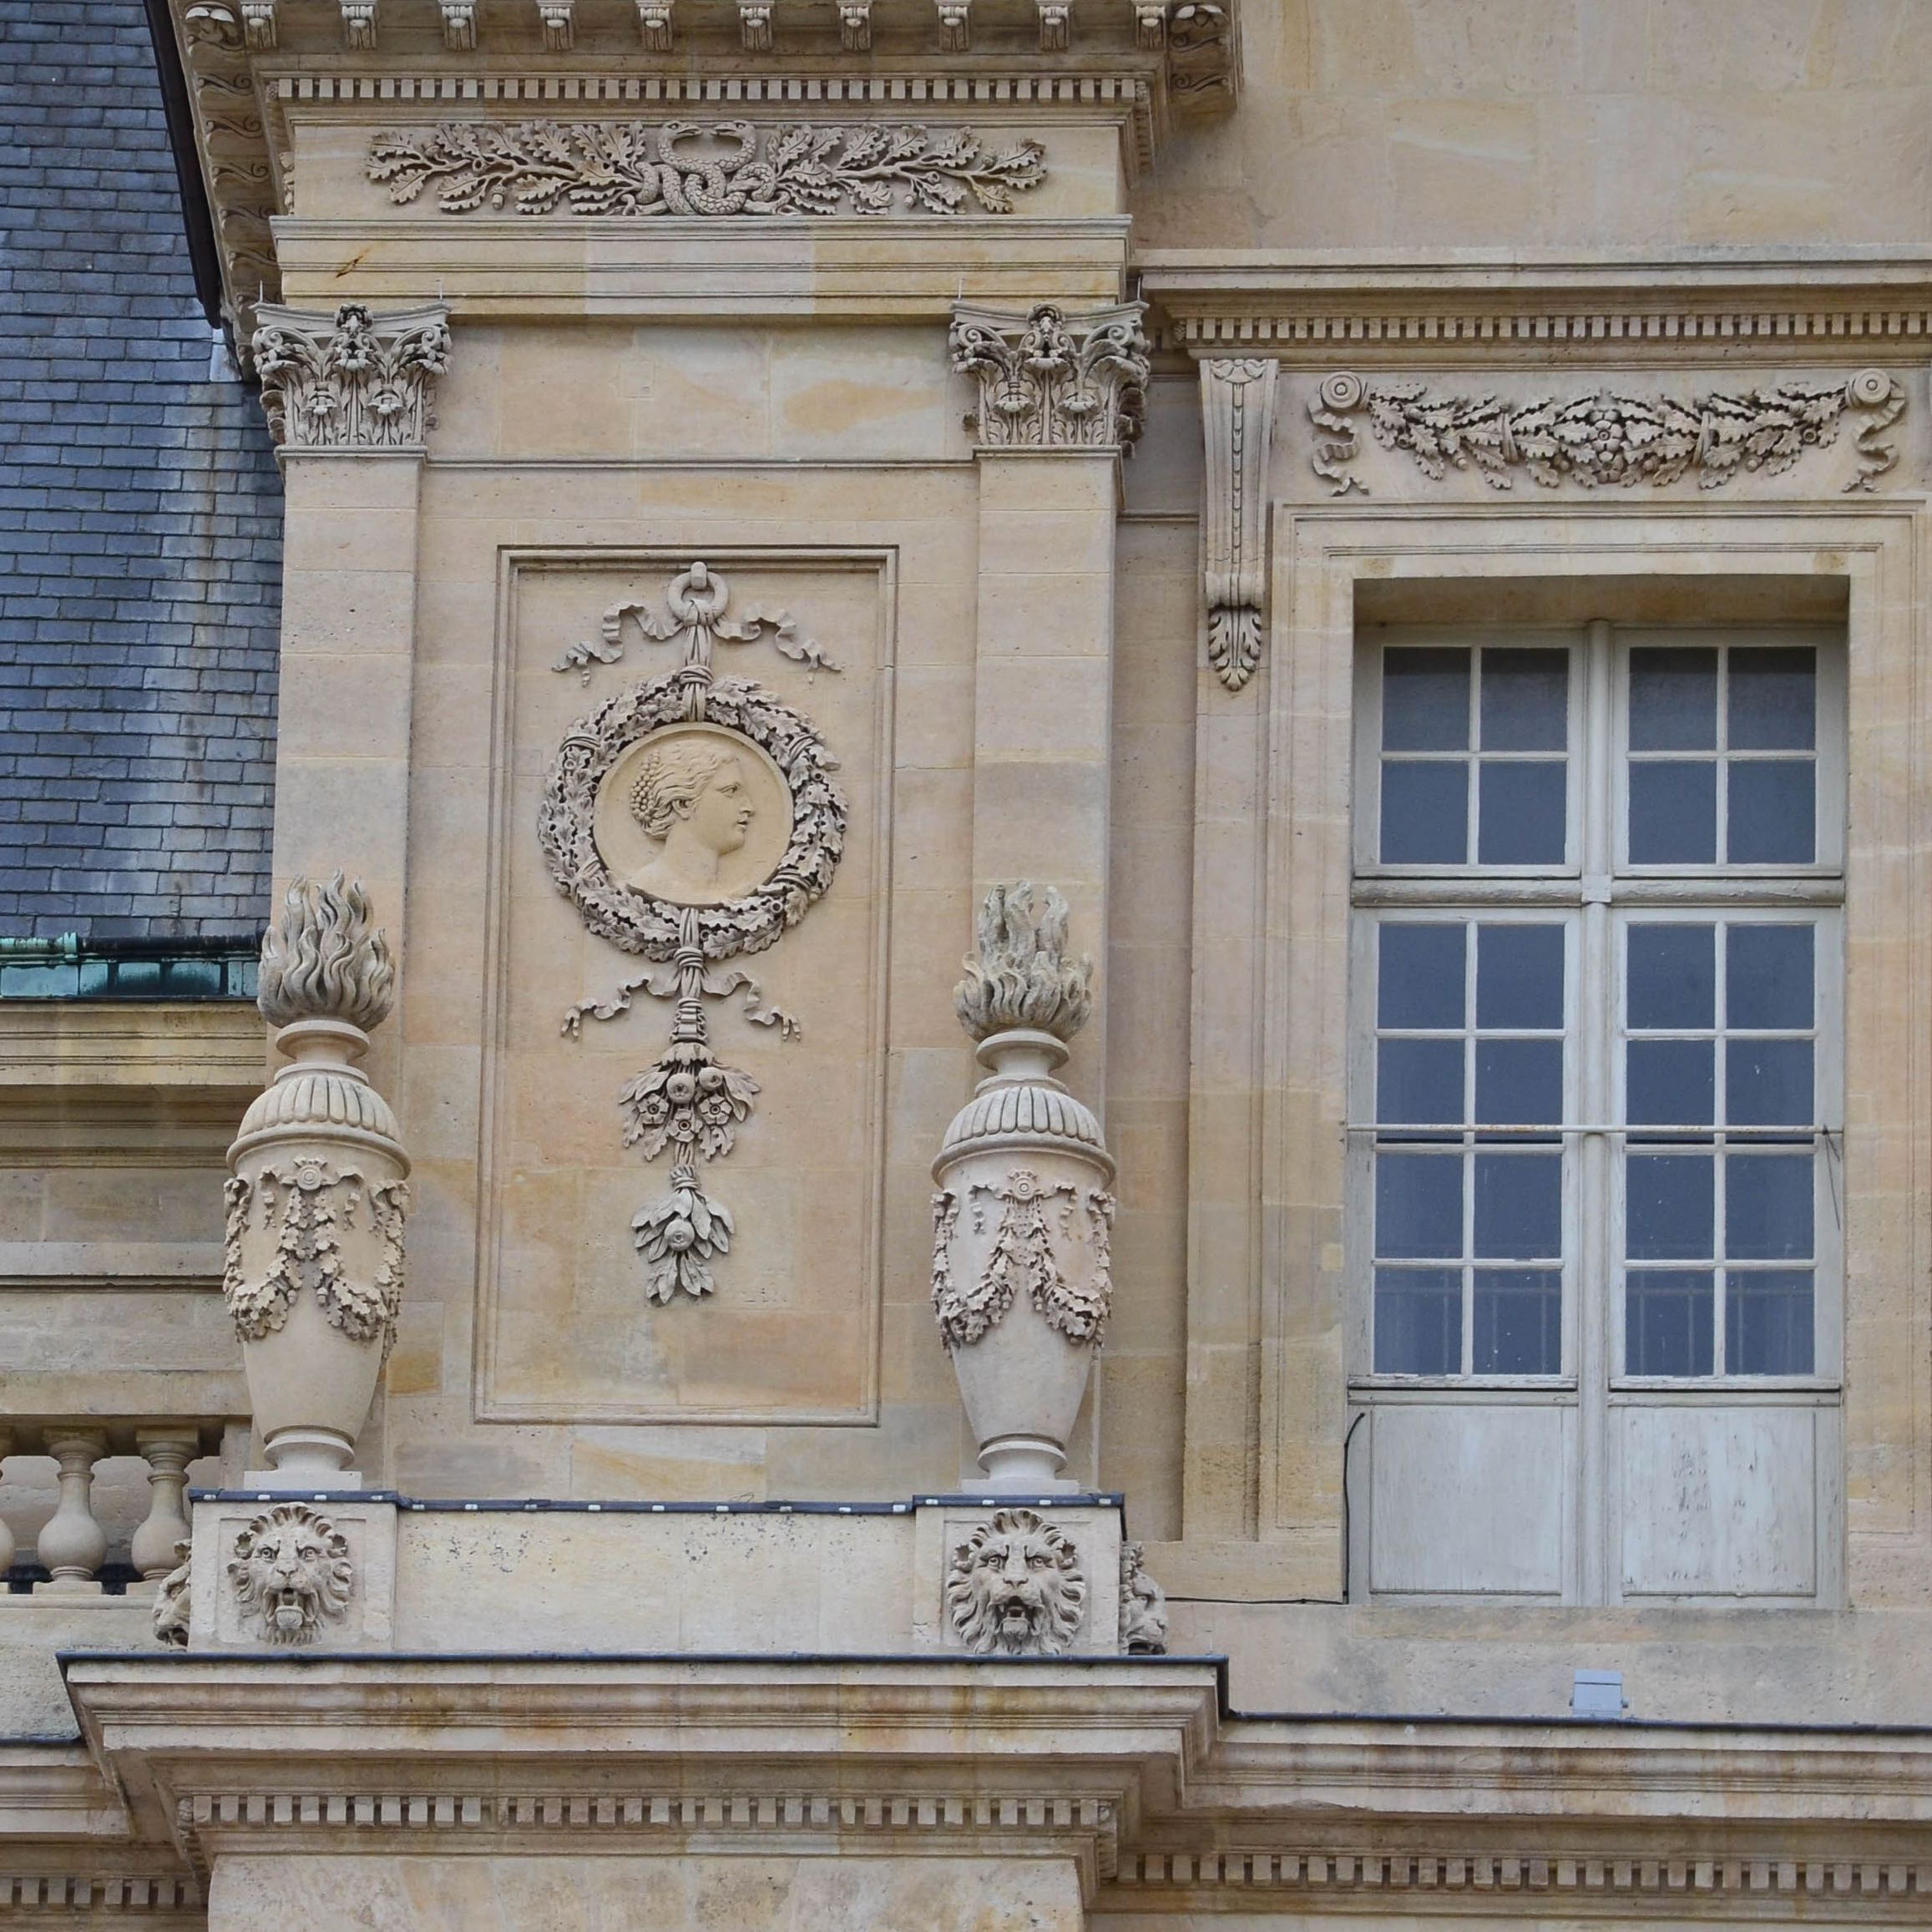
x,y
1601,439
673,737
352,380
1238,407
1022,1260
1049,380
716,169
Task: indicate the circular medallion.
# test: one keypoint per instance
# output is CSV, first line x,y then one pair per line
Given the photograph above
x,y
648,812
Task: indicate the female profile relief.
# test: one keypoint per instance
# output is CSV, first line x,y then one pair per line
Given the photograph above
x,y
691,799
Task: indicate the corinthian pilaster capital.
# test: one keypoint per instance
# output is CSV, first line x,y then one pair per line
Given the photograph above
x,y
351,380
1049,380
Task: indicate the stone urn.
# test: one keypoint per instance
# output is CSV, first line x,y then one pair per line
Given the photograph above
x,y
1022,1220
317,1192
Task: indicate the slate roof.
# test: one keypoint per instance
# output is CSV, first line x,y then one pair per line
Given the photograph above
x,y
140,517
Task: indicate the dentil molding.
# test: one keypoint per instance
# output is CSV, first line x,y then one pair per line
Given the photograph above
x,y
351,381
1050,380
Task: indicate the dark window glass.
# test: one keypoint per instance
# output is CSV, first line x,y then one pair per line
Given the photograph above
x,y
1518,1206
1419,1080
1673,812
1669,1083
1668,1212
1519,976
1772,812
1418,1321
1519,1082
1521,807
1425,701
1425,812
1668,1323
1768,1083
1767,977
1768,1322
1673,700
1518,1317
1767,1208
1673,976
1773,700
1419,977
1525,700
1419,1207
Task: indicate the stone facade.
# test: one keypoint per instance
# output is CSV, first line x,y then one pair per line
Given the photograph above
x,y
772,501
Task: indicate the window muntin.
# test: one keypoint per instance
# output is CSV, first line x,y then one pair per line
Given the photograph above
x,y
1713,1224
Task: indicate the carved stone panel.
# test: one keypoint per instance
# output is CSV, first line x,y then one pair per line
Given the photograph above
x,y
682,1145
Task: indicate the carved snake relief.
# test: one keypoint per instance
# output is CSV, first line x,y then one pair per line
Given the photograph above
x,y
735,185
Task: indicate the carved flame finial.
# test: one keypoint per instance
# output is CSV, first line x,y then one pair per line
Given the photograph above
x,y
1022,977
326,960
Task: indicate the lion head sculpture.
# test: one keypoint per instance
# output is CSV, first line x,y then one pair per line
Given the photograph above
x,y
173,1606
291,1573
1015,1585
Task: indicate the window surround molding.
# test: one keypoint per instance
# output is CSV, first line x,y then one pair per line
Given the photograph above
x,y
1268,1295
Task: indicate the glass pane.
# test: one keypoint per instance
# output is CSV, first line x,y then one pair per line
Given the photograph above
x,y
1525,700
1519,1082
1767,1208
1767,977
1418,1321
1520,807
1767,1324
1518,1321
1425,701
1667,1206
1519,1207
1519,976
1425,808
1773,700
1673,812
1419,1079
1419,982
1768,1083
1667,1322
1673,700
1772,812
1673,976
1419,1207
1669,1083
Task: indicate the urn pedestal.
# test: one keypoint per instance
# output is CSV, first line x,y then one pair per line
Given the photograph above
x,y
1022,1272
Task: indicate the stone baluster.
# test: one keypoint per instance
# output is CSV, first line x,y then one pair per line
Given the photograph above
x,y
72,1543
169,1452
6,1534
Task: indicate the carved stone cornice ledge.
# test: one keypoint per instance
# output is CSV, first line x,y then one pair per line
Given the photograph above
x,y
1317,308
350,381
1051,381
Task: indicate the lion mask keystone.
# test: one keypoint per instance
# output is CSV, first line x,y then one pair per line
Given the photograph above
x,y
291,1573
1016,1587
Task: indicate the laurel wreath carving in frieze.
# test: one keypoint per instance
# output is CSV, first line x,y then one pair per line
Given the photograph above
x,y
690,819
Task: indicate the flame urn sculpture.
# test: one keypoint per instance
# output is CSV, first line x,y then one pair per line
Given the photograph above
x,y
317,1192
1022,1275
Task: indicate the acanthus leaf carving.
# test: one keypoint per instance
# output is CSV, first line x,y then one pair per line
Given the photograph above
x,y
718,169
291,1573
1601,439
1016,1587
1049,379
350,380
1237,399
1143,1606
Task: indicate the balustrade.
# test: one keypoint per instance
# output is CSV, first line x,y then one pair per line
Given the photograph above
x,y
73,1545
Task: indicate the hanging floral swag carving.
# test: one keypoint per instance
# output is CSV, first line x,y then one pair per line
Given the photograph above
x,y
1022,1260
306,1202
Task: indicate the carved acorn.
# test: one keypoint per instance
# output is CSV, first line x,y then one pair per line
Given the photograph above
x,y
317,1195
1023,1219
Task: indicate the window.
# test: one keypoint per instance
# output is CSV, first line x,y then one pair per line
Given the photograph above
x,y
1594,1077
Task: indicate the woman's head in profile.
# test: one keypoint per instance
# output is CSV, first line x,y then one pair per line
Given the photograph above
x,y
692,799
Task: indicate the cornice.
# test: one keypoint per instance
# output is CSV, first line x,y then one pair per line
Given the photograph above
x,y
1312,307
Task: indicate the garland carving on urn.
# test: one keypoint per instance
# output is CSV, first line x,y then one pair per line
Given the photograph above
x,y
1602,440
1049,380
352,380
717,169
1016,1587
